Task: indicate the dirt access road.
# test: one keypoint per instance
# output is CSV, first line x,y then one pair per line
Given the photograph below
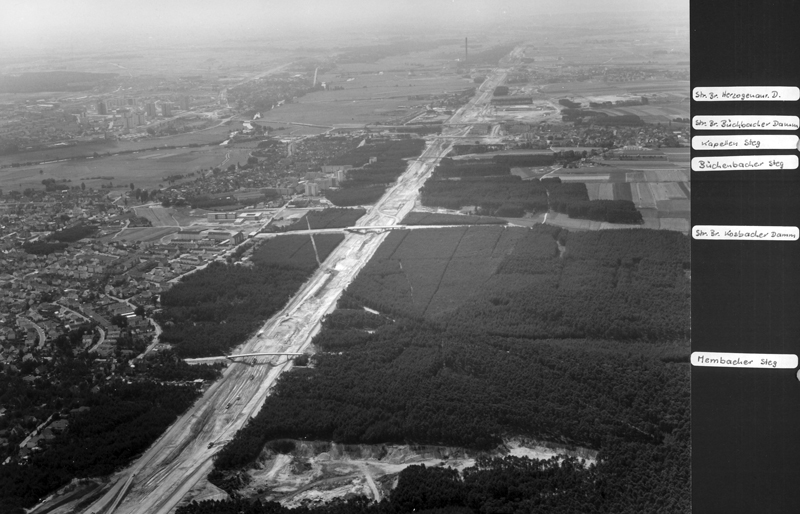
x,y
162,476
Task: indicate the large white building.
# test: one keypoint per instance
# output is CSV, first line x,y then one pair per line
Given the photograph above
x,y
312,189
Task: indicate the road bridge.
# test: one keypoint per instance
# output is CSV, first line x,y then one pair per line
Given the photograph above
x,y
259,354
232,358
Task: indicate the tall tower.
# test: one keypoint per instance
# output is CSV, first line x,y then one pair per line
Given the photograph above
x,y
466,50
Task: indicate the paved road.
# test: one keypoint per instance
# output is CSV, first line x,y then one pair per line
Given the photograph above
x,y
23,321
159,479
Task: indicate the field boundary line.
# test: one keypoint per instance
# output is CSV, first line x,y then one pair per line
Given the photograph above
x,y
444,272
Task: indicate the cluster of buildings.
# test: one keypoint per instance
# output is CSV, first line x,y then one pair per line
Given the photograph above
x,y
36,124
92,299
291,167
150,103
546,135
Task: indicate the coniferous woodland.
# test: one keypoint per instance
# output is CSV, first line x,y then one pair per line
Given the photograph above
x,y
108,424
483,333
488,186
327,218
367,181
217,308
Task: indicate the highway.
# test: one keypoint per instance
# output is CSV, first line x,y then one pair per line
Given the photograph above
x,y
176,462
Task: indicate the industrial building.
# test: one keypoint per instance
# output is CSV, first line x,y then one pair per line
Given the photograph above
x,y
512,100
218,216
225,235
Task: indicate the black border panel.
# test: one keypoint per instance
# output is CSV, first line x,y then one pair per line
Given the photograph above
x,y
745,294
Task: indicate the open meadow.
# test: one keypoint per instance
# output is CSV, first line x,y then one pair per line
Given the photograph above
x,y
146,170
367,97
210,136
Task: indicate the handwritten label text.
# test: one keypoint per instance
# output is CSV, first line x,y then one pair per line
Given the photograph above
x,y
745,162
745,360
746,123
744,233
760,142
746,93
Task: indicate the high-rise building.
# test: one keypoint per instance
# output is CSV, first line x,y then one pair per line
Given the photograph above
x,y
102,108
150,109
166,109
185,103
312,189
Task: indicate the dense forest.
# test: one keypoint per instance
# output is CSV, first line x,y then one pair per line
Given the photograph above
x,y
72,234
392,150
488,195
367,181
488,332
350,197
43,247
122,420
214,309
448,168
489,188
327,218
572,199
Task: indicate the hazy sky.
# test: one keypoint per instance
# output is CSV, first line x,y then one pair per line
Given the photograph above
x,y
38,23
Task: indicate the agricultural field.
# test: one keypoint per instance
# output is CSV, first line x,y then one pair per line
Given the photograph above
x,y
370,97
585,90
327,218
143,234
659,189
654,113
171,216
